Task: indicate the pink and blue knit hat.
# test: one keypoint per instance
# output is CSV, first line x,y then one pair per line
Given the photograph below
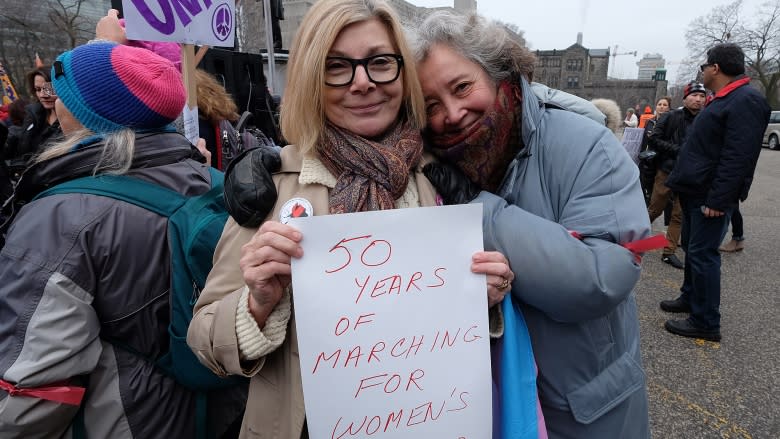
x,y
109,87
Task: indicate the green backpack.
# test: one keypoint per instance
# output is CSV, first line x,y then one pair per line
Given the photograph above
x,y
194,227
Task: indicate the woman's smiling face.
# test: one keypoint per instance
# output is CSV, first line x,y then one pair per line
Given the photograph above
x,y
457,91
363,107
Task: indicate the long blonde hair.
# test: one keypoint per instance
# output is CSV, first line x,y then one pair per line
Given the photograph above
x,y
302,111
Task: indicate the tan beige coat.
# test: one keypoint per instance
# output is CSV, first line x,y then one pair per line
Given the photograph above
x,y
275,408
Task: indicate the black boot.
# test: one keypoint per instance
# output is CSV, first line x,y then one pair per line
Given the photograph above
x,y
685,328
676,305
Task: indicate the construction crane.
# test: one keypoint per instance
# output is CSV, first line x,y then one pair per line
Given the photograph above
x,y
615,53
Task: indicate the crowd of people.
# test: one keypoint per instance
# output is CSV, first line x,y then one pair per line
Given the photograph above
x,y
29,128
714,172
378,116
666,138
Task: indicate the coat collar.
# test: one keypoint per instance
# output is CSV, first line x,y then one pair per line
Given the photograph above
x,y
740,81
151,149
530,118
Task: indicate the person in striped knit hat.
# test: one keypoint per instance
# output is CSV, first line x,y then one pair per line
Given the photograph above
x,y
78,270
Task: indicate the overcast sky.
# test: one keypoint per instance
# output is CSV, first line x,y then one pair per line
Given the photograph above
x,y
644,26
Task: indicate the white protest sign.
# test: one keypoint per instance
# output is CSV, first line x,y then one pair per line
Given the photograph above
x,y
191,129
392,324
210,22
632,142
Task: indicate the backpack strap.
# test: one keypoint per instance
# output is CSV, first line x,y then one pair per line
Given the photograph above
x,y
78,426
133,190
217,186
218,134
150,196
246,116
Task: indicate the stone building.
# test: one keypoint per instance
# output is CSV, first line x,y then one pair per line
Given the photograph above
x,y
572,68
583,72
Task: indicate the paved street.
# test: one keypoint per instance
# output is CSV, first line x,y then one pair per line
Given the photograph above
x,y
730,389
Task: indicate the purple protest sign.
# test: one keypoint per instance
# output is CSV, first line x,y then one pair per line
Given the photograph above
x,y
206,22
222,22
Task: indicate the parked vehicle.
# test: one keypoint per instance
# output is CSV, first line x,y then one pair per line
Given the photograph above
x,y
772,133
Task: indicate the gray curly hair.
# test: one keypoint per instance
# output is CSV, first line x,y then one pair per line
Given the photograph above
x,y
476,38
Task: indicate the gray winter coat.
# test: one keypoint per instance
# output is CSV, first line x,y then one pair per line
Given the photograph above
x,y
79,269
576,294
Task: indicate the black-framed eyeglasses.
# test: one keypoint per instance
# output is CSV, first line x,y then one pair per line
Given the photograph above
x,y
380,69
46,90
704,66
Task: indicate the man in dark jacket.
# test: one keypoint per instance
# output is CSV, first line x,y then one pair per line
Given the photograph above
x,y
666,139
713,173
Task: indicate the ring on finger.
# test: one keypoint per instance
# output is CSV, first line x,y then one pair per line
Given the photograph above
x,y
504,285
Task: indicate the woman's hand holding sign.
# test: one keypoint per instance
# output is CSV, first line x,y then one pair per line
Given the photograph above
x,y
498,274
265,264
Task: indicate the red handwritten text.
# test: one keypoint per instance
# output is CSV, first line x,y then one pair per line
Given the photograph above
x,y
395,284
402,347
390,384
399,419
374,254
343,324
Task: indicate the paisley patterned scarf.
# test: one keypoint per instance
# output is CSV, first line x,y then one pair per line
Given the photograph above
x,y
371,174
484,152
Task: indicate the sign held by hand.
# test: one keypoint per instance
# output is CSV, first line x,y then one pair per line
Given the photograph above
x,y
392,324
210,22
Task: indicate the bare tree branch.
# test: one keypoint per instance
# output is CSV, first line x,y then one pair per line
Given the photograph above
x,y
759,38
66,16
716,27
47,28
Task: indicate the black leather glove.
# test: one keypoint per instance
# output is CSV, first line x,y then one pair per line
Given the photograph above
x,y
453,186
250,192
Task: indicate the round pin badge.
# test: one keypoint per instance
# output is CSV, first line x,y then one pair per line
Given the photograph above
x,y
295,208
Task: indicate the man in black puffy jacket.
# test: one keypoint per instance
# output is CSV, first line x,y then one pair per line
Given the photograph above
x,y
713,173
667,137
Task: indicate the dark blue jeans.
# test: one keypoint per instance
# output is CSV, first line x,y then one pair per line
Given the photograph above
x,y
701,237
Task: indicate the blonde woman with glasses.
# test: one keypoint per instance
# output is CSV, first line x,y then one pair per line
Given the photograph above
x,y
352,112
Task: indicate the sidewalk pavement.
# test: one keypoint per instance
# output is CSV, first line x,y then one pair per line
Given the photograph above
x,y
731,389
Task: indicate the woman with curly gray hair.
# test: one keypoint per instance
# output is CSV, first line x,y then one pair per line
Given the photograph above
x,y
561,199
353,120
